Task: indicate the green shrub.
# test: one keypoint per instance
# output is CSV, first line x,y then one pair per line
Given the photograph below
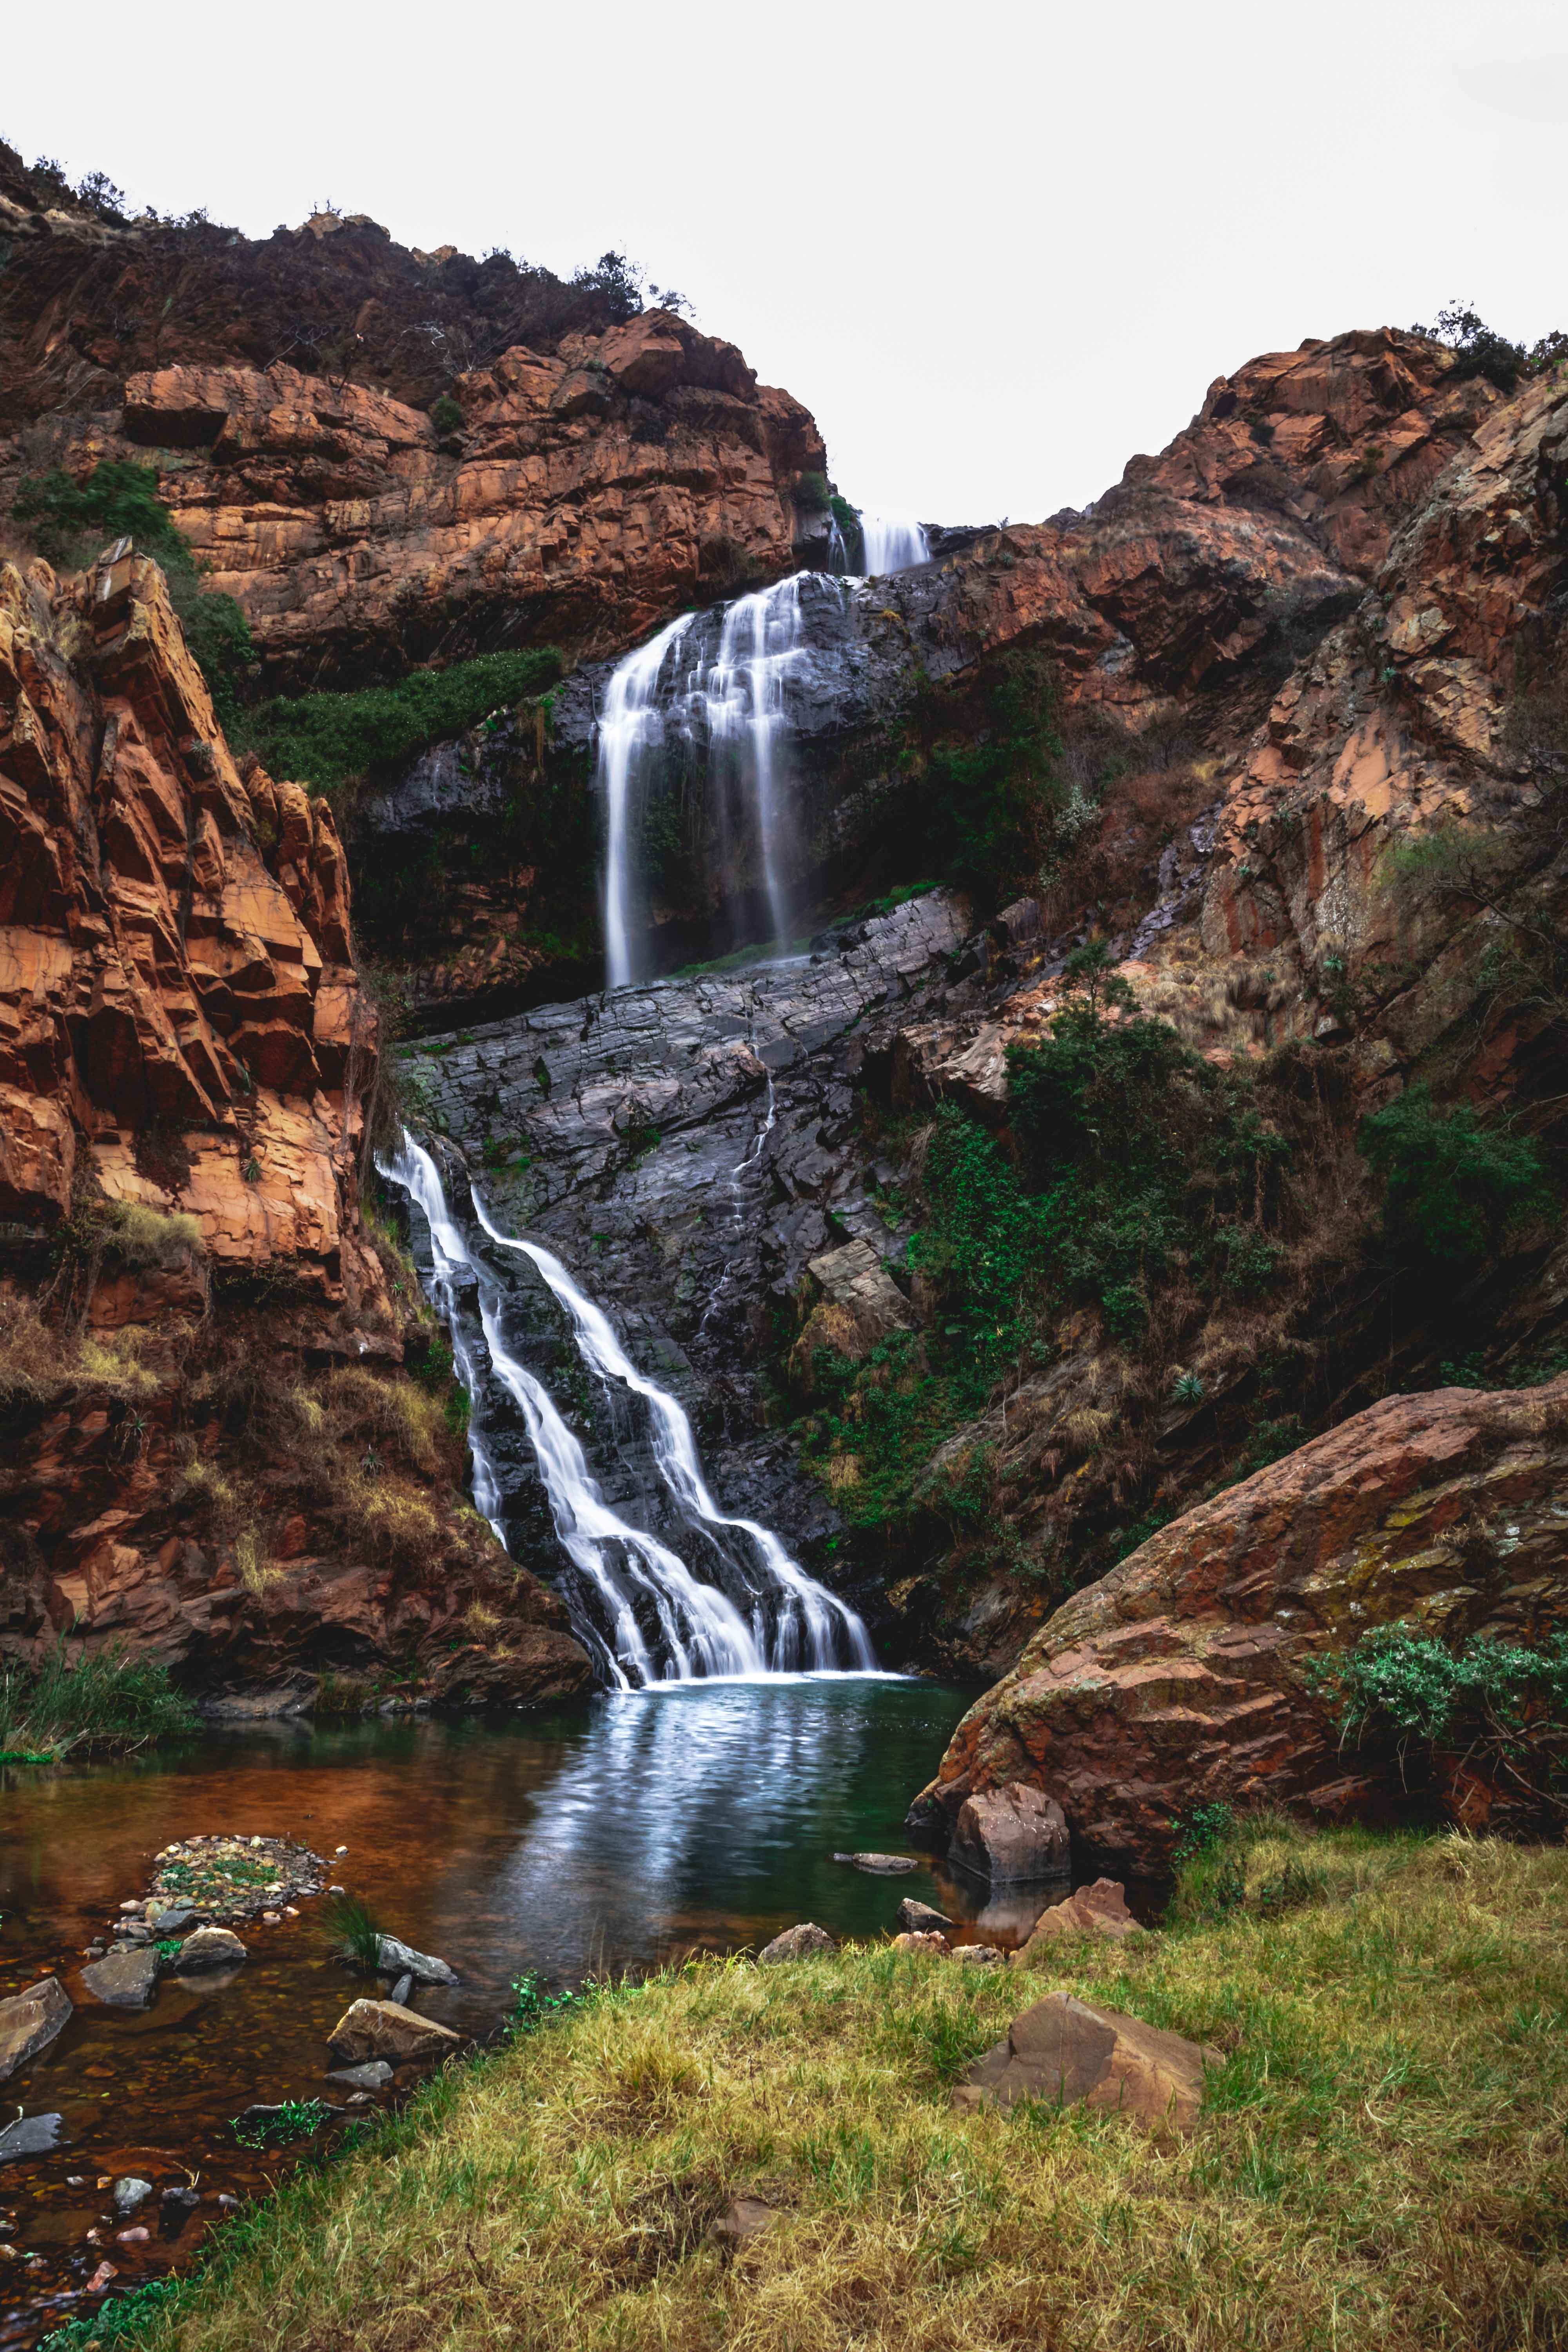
x,y
445,415
1501,1706
1453,1186
331,739
1479,350
812,493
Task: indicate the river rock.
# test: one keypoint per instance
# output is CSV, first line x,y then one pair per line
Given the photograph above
x,y
801,1943
885,1865
396,1958
373,2075
124,1980
210,1948
402,1991
174,1920
1062,2052
30,2136
29,2021
383,2028
1098,1910
129,2193
1010,1833
921,1919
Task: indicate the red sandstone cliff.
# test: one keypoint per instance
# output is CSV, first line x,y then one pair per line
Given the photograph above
x,y
210,1449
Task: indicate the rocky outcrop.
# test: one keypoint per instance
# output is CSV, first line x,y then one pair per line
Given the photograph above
x,y
1180,1679
186,1059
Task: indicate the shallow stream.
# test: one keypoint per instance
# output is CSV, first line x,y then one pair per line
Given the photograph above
x,y
617,1834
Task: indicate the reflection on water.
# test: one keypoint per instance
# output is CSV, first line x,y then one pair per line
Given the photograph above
x,y
617,1834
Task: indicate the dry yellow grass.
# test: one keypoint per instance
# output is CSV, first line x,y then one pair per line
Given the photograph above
x,y
1381,2163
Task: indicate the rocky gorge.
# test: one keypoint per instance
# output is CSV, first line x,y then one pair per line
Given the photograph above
x,y
1241,785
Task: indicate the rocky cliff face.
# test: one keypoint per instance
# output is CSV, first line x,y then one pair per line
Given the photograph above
x,y
591,471
187,1303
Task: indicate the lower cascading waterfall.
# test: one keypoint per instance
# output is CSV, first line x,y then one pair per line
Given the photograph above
x,y
635,1602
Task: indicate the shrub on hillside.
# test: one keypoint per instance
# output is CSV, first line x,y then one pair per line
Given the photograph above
x,y
1453,1186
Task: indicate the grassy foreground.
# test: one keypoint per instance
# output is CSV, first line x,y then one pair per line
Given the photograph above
x,y
1381,2163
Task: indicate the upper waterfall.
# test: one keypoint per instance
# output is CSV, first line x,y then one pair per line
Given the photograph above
x,y
636,1601
718,703
893,543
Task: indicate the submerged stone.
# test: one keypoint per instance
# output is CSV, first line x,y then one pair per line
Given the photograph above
x,y
31,2135
29,2022
125,1979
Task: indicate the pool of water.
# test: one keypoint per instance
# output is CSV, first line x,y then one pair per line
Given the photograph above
x,y
618,1834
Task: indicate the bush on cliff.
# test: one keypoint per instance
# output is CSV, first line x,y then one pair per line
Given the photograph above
x,y
1378,2162
1453,1186
332,740
72,521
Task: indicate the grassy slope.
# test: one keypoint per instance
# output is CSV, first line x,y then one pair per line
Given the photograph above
x,y
1382,2163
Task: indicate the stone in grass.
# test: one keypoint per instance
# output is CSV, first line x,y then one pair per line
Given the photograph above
x,y
797,1944
885,1865
921,1919
1062,2052
1098,1910
382,2029
209,1947
915,1939
29,2022
742,2217
1011,1833
980,1956
373,2075
394,1958
124,1980
30,2136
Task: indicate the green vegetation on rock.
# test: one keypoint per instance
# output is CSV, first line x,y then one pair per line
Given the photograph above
x,y
332,740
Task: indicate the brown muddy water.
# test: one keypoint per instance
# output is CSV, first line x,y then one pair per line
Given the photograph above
x,y
618,1834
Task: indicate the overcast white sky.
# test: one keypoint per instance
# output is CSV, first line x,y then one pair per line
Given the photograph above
x,y
995,250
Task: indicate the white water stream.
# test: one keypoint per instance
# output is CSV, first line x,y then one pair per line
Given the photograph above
x,y
793,1623
893,543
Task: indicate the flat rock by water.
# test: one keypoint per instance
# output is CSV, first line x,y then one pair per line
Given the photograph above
x,y
383,2028
884,1865
395,1958
30,2136
29,2021
124,1980
800,1943
373,2075
921,1919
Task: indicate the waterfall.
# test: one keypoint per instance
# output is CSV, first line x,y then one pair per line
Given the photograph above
x,y
893,542
630,725
722,703
636,1603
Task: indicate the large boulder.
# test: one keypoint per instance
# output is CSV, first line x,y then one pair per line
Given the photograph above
x,y
1062,2052
383,2028
29,2022
210,1948
1011,1833
1181,1679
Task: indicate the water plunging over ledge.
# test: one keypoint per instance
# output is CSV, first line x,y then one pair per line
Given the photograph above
x,y
893,543
637,1604
719,707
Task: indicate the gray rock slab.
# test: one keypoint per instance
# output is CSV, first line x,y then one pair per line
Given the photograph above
x,y
396,1958
123,1980
29,2021
31,2135
373,2075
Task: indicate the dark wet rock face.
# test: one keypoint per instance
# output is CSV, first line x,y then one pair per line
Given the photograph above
x,y
686,1150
